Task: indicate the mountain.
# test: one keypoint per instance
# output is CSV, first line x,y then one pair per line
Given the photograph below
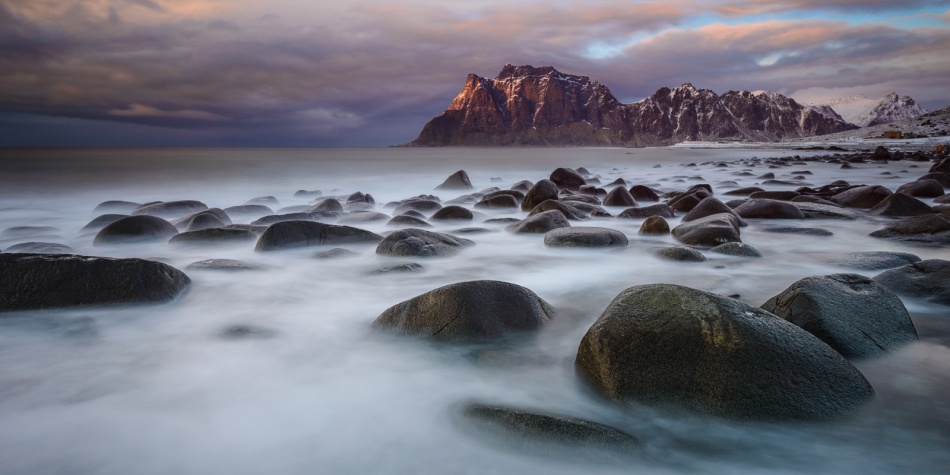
x,y
525,105
864,112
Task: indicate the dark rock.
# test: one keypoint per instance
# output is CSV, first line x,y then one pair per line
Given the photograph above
x,y
586,209
291,234
268,201
328,205
453,213
407,220
708,207
744,191
620,197
308,194
473,230
814,199
736,249
170,209
116,207
797,230
851,313
360,197
942,178
523,186
775,195
567,178
943,166
335,253
100,222
28,231
899,204
456,181
643,193
767,176
249,211
925,228
213,236
280,218
881,154
821,211
679,253
689,200
710,231
541,223
253,228
665,344
922,188
654,226
38,281
662,210
226,265
570,212
141,228
542,191
501,201
769,209
584,237
862,197
40,248
421,243
204,219
928,280
468,310
874,260
399,268
573,200
426,206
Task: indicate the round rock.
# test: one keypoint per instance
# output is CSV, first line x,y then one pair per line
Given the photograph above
x,y
585,236
928,280
131,229
421,243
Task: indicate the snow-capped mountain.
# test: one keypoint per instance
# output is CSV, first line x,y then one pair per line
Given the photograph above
x,y
525,105
864,112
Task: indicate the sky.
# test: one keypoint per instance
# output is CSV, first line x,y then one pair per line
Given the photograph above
x,y
298,73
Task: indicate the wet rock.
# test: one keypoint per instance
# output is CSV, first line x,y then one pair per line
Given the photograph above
x,y
679,253
620,197
40,248
769,209
708,207
689,200
943,166
922,188
775,195
100,222
586,236
423,206
586,209
328,205
268,201
542,191
797,230
498,202
399,268
541,223
292,234
853,314
710,231
221,265
669,345
522,186
942,178
407,220
257,230
927,280
744,191
928,228
821,211
654,226
205,219
643,193
214,236
873,260
279,218
249,211
815,199
456,181
359,217
899,204
453,213
360,197
736,249
134,229
308,194
880,154
116,207
569,211
567,178
335,253
862,197
38,281
421,243
478,309
170,209
662,210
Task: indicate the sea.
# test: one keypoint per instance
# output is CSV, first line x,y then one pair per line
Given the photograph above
x,y
309,387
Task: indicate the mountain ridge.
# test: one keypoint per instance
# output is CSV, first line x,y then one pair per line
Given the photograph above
x,y
864,112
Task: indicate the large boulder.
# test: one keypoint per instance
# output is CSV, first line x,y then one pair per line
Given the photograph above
x,y
328,205
100,222
665,344
498,201
585,236
117,207
421,243
662,210
131,229
710,231
943,166
922,188
456,181
736,249
205,219
708,207
248,211
453,213
851,313
689,199
567,179
408,221
569,210
643,193
620,197
421,205
542,191
170,209
35,247
862,196
769,209
930,228
292,234
471,310
38,281
541,223
868,260
654,226
899,204
927,280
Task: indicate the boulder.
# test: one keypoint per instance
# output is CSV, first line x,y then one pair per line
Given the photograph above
x,y
117,207
679,253
33,247
643,193
268,201
854,315
407,220
708,207
293,234
585,236
248,211
662,210
522,186
922,188
542,191
569,211
498,202
456,181
689,200
822,211
421,243
132,229
100,222
567,179
335,253
399,268
221,265
775,195
28,231
710,231
862,197
943,166
360,197
170,209
204,219
541,223
744,191
308,194
453,213
769,209
40,281
930,228
871,260
665,344
423,205
942,178
654,226
927,280
620,197
358,217
736,249
899,204
213,236
328,205
472,310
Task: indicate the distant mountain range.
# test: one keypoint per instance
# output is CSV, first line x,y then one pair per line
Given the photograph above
x,y
864,112
525,105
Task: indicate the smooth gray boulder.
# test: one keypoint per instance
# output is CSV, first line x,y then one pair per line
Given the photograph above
x,y
40,281
413,242
899,204
135,229
170,209
34,247
452,213
868,260
540,223
928,280
922,188
293,234
456,181
862,197
927,228
856,316
408,221
585,236
542,191
100,222
679,254
736,249
708,207
566,178
769,209
661,209
116,207
654,226
710,231
473,310
669,345
620,197
498,202
569,210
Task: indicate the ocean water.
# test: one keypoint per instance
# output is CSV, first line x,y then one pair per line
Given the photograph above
x,y
161,389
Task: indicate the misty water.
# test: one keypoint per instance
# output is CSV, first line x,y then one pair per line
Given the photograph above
x,y
313,389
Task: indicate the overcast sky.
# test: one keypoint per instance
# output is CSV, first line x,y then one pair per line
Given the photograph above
x,y
371,73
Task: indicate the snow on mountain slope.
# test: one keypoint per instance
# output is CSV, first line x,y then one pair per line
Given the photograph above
x,y
864,112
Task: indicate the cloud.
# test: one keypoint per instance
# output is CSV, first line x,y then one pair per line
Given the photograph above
x,y
142,111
